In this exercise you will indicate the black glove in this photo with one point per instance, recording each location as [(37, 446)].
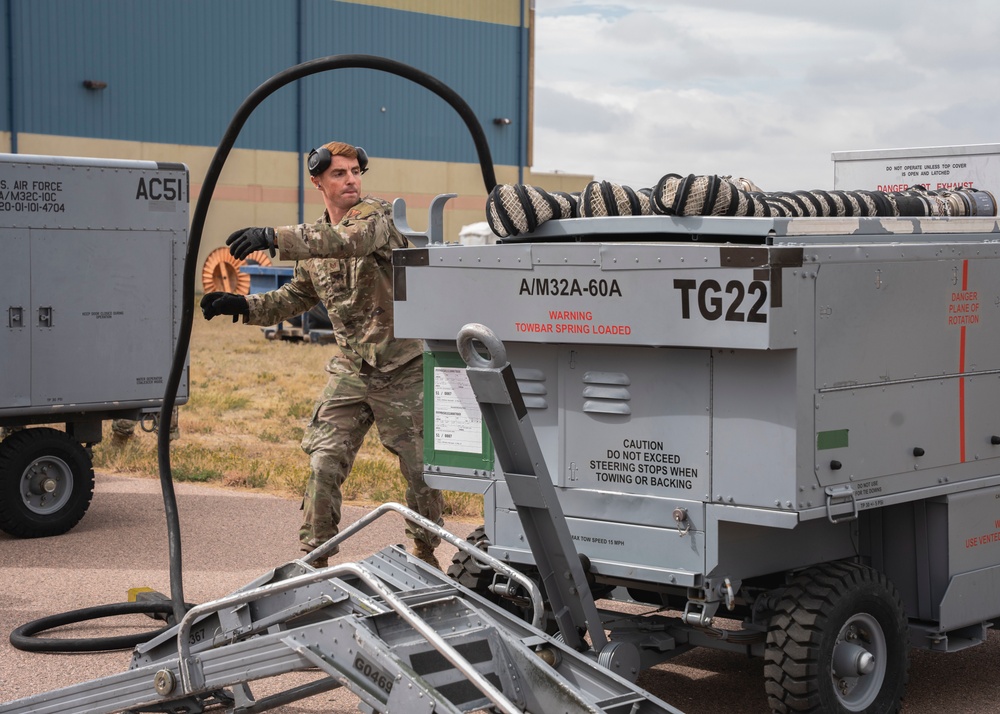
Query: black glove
[(246, 240), (213, 304)]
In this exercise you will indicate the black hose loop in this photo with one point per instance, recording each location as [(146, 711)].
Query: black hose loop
[(23, 638), (353, 61)]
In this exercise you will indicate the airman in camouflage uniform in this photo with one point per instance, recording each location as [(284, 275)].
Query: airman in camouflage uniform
[(345, 262)]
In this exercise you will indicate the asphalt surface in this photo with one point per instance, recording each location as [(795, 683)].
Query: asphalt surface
[(231, 537)]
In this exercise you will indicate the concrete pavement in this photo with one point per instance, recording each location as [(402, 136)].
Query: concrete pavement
[(230, 537)]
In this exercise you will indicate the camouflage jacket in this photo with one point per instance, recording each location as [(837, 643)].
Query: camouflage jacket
[(348, 268)]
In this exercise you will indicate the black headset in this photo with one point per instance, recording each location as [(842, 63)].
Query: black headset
[(319, 160)]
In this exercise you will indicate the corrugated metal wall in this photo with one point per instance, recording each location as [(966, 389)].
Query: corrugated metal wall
[(404, 120), (176, 72)]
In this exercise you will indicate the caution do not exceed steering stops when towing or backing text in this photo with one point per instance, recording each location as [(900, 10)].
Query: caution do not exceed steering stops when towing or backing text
[(644, 463)]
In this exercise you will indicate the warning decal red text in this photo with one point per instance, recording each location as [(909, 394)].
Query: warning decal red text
[(985, 538), (964, 308), (572, 322)]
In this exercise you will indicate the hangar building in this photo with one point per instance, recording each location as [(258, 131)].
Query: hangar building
[(161, 80)]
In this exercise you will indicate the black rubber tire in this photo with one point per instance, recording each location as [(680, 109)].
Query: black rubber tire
[(849, 609), (27, 457), (467, 571)]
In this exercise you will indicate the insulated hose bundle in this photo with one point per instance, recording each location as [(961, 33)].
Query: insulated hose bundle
[(610, 199), (515, 209), (691, 195)]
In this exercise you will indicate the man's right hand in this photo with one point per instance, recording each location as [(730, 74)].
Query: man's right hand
[(213, 304), (248, 240)]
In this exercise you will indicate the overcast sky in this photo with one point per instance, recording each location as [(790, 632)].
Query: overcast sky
[(629, 90)]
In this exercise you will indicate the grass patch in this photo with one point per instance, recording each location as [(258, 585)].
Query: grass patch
[(250, 401), (270, 436), (185, 472), (301, 410)]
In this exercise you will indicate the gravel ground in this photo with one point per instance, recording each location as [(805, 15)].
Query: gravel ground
[(231, 537)]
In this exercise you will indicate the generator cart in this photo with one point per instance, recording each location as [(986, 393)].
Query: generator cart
[(90, 288), (782, 433)]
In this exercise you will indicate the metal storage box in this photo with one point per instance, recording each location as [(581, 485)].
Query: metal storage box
[(93, 253)]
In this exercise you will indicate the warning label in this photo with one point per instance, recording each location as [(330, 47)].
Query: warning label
[(577, 322), (935, 175), (643, 462), (952, 168), (984, 538), (963, 309)]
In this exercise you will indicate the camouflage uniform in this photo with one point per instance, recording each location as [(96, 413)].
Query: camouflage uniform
[(374, 377), (123, 429)]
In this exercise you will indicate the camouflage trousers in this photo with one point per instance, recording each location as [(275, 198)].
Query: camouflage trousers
[(126, 427), (350, 404)]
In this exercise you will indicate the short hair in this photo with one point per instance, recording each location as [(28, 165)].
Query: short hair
[(339, 148)]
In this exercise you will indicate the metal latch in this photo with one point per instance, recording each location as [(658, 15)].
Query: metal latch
[(681, 519), (836, 496), (45, 317), (15, 317)]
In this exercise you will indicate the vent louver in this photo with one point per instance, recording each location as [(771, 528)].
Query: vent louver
[(606, 393)]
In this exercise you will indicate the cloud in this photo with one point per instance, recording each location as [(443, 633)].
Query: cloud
[(566, 111), (632, 89)]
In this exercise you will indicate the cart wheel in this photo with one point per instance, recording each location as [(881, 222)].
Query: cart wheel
[(467, 571), (838, 642), (46, 483)]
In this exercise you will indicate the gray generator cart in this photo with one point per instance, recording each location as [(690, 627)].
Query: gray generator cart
[(91, 295), (783, 434)]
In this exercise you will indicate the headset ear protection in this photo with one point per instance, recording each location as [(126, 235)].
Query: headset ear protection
[(319, 160)]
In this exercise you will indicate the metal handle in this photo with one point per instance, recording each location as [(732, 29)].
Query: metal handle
[(489, 340), (45, 316)]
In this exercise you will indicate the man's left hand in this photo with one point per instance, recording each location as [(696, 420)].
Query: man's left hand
[(218, 303), (247, 240)]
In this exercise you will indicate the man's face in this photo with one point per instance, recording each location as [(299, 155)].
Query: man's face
[(340, 184)]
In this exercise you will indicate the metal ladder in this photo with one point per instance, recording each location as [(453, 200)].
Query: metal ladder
[(402, 636)]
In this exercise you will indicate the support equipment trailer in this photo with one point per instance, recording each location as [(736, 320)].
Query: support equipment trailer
[(784, 432)]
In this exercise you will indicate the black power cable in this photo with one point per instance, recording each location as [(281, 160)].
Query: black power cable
[(198, 224), (21, 638)]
